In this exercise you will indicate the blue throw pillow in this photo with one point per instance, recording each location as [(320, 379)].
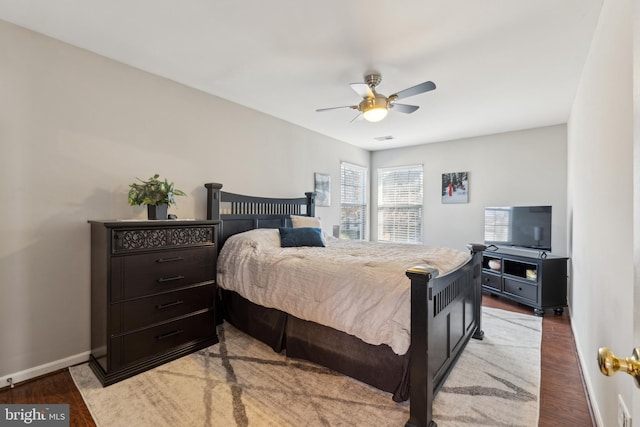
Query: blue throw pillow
[(303, 236)]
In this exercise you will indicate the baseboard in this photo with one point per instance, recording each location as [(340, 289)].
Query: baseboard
[(47, 368), (586, 381)]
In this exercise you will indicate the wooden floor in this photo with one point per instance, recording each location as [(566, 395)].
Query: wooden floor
[(562, 402), (54, 388), (563, 399)]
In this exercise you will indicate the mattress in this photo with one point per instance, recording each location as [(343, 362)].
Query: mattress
[(356, 287)]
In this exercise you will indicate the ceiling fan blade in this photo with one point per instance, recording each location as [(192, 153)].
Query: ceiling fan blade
[(415, 90), (404, 108), (363, 90), (356, 118), (353, 107)]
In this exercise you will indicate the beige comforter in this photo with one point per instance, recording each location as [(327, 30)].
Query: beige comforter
[(356, 287)]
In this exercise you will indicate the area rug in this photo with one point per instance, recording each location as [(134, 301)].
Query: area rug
[(241, 382)]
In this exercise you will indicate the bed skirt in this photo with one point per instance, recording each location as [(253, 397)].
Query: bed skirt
[(376, 365)]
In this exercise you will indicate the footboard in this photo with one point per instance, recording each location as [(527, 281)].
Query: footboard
[(445, 314)]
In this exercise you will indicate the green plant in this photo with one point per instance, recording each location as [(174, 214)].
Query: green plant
[(153, 192)]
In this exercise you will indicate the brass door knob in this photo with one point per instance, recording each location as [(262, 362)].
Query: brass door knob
[(610, 364)]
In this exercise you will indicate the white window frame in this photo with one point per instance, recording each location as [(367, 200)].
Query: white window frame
[(353, 202), (401, 204), (497, 224)]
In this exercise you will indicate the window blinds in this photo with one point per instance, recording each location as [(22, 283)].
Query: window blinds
[(353, 201), (400, 204)]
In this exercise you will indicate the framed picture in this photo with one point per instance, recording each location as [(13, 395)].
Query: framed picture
[(455, 187), (323, 189)]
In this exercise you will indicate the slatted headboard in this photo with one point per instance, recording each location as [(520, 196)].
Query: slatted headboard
[(238, 213)]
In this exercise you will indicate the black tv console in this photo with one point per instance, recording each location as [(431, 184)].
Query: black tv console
[(537, 280)]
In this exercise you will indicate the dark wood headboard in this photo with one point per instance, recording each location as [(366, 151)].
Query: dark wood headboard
[(238, 213)]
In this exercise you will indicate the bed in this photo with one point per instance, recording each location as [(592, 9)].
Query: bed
[(443, 312)]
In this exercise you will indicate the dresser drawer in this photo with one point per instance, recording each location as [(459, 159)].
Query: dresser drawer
[(521, 289), (492, 281), (137, 346), (146, 274), (143, 312), (128, 240)]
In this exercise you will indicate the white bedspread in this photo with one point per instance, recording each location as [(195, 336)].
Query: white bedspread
[(356, 287)]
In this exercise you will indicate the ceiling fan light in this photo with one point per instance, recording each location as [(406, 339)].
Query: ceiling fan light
[(375, 114)]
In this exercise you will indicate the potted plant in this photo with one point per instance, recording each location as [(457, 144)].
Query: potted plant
[(157, 194)]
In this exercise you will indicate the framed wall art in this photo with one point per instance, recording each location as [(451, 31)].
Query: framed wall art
[(323, 189), (455, 187)]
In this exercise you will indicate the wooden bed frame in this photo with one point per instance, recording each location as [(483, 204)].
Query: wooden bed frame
[(445, 313)]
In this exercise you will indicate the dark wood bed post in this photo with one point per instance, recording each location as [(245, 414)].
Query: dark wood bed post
[(421, 376), (476, 250), (311, 203), (213, 199)]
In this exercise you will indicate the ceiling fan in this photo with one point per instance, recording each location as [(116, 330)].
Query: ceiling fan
[(375, 106)]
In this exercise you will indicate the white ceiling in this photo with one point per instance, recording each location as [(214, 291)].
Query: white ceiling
[(499, 65)]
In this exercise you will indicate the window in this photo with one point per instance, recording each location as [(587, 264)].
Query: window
[(497, 226), (400, 204), (353, 201)]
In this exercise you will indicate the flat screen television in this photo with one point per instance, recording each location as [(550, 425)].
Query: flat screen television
[(518, 226)]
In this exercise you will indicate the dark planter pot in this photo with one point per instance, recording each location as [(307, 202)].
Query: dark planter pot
[(157, 211)]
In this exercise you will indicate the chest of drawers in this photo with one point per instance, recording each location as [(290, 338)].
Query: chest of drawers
[(152, 293)]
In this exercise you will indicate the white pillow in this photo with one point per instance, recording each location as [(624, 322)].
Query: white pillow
[(305, 221), (259, 237)]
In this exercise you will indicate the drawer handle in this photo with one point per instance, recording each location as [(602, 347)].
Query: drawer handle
[(169, 304), (170, 279), (169, 334), (178, 258)]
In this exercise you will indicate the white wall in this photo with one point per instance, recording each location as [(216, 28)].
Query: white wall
[(636, 187), (600, 208), (516, 168), (75, 131)]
